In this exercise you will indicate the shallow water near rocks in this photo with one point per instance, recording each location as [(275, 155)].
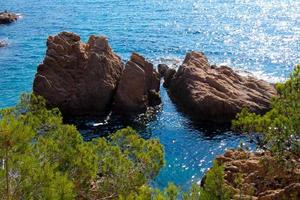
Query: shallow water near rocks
[(257, 37)]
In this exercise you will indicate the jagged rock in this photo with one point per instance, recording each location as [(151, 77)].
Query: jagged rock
[(162, 69), (154, 98), (7, 17), (168, 77), (216, 94), (138, 87), (78, 78), (291, 191), (262, 176), (167, 73)]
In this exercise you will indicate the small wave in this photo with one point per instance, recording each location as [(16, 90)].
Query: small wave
[(20, 16), (173, 62), (104, 122), (263, 76)]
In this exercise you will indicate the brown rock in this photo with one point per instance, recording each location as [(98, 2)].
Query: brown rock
[(217, 94), (154, 98), (169, 75), (7, 17), (78, 78), (290, 192), (263, 178), (162, 69), (138, 87), (244, 197)]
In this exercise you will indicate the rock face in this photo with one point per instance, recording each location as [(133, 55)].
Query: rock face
[(78, 78), (216, 94), (138, 87), (261, 176), (7, 17)]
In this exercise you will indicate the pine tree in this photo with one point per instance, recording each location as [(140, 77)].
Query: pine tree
[(280, 127)]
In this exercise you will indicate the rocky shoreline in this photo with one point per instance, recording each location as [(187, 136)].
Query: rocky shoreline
[(259, 176)]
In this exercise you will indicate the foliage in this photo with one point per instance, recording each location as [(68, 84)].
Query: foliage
[(281, 125), (43, 158), (214, 187), (127, 163), (24, 176)]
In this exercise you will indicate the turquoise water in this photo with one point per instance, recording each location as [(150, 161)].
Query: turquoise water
[(258, 37)]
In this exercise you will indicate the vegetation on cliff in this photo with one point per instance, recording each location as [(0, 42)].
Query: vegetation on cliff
[(280, 127), (278, 133)]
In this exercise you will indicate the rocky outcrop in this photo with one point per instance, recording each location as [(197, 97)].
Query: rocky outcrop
[(138, 87), (78, 78), (260, 176), (162, 69), (88, 79), (216, 93), (3, 43), (7, 17), (167, 73)]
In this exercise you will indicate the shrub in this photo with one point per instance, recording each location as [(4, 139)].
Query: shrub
[(43, 158), (280, 127)]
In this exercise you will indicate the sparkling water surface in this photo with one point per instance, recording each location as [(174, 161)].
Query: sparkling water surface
[(253, 36)]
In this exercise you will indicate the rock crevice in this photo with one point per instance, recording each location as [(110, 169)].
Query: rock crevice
[(138, 87)]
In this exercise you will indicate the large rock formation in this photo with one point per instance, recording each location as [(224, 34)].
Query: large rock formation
[(260, 176), (7, 17), (216, 94), (138, 87), (78, 78)]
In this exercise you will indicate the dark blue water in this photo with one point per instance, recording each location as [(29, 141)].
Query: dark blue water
[(258, 37)]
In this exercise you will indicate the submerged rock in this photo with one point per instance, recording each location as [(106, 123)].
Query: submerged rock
[(3, 43), (7, 17), (78, 78), (138, 87), (216, 93), (261, 175)]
